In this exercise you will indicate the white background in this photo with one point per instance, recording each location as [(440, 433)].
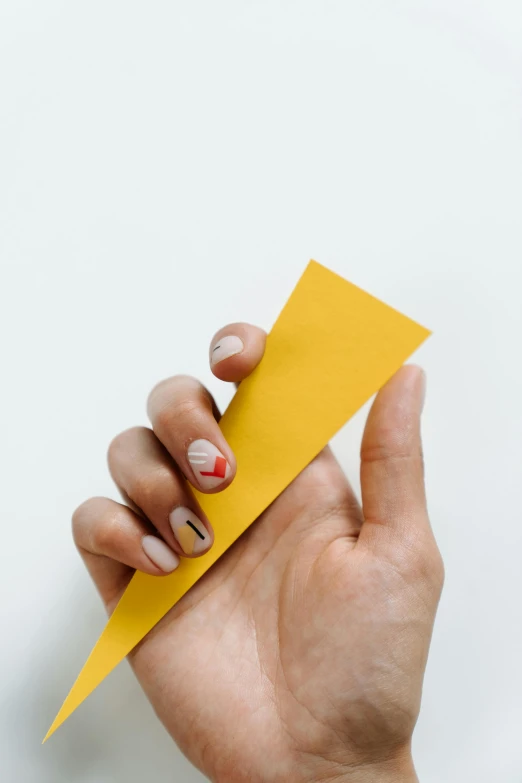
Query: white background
[(166, 167)]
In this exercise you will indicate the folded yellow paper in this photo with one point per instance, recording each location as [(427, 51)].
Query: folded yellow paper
[(332, 347)]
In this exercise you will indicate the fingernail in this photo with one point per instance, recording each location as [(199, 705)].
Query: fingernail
[(226, 347), (190, 532), (161, 555), (209, 465), (423, 389)]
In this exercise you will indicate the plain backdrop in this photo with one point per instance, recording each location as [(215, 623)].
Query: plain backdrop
[(168, 167)]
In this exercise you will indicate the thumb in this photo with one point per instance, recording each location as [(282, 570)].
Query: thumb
[(392, 472)]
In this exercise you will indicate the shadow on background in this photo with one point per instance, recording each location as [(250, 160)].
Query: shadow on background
[(113, 737)]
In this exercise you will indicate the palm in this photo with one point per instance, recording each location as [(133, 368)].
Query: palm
[(287, 648)]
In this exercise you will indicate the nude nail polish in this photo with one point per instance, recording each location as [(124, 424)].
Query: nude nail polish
[(161, 555), (209, 465), (190, 532), (225, 348)]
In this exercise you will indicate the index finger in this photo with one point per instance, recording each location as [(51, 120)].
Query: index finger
[(236, 350)]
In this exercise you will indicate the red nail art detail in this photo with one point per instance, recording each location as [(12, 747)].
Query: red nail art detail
[(210, 467), (220, 468)]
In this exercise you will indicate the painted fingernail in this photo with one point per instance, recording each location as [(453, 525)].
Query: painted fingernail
[(209, 465), (191, 534), (226, 347), (161, 555)]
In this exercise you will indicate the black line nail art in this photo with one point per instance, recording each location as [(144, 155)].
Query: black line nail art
[(194, 528)]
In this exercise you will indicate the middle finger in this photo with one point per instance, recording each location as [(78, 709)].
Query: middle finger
[(183, 416)]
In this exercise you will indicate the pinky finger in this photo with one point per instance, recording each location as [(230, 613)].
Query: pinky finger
[(113, 542)]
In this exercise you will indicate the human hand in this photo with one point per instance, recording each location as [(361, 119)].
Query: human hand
[(300, 655)]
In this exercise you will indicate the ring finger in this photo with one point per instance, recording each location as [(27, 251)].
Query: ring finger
[(183, 416), (147, 476)]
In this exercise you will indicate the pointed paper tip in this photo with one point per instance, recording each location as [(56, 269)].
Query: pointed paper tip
[(109, 650), (86, 681), (73, 700), (52, 729), (63, 714)]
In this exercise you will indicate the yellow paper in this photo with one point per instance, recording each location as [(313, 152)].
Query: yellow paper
[(332, 347)]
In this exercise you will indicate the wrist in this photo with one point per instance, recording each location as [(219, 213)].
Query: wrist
[(376, 774), (396, 770)]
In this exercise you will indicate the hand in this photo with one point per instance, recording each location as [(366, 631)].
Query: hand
[(300, 655)]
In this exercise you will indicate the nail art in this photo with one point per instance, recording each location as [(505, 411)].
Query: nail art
[(225, 348), (209, 465), (191, 534), (161, 555)]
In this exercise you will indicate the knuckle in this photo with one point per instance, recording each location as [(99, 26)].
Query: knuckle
[(163, 419), (179, 415), (151, 490), (438, 570), (105, 532), (426, 564), (85, 518), (391, 450), (141, 490), (169, 389), (121, 441), (186, 408)]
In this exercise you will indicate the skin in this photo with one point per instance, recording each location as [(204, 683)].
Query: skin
[(300, 655)]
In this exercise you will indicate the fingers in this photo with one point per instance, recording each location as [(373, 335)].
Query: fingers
[(165, 520), (146, 474), (113, 541), (392, 475), (184, 415), (236, 350)]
